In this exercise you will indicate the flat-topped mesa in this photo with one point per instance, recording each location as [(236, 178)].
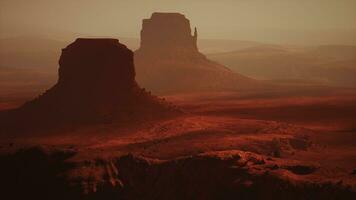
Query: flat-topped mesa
[(170, 30)]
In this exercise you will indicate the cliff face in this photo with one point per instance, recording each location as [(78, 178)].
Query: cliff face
[(167, 32), (96, 83), (95, 75), (168, 59), (97, 64)]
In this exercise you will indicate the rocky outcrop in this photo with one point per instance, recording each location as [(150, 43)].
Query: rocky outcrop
[(168, 59), (45, 173), (96, 84)]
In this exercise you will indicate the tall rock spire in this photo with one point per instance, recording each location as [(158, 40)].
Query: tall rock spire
[(196, 37)]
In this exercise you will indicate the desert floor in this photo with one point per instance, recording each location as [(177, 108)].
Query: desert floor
[(315, 126)]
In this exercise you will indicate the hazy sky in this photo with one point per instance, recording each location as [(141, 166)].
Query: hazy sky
[(291, 21)]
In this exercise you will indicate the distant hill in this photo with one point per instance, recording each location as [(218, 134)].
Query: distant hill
[(337, 52), (30, 52), (331, 64), (208, 46)]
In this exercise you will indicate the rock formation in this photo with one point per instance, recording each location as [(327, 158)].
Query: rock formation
[(47, 173), (168, 59), (168, 32), (96, 83)]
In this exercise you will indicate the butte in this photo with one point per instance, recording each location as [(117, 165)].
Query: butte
[(169, 61), (96, 84)]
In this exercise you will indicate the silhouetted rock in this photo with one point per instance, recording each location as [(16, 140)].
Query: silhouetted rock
[(101, 65), (96, 83), (167, 32), (168, 59), (50, 173)]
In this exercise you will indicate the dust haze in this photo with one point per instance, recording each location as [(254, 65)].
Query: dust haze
[(178, 99), (278, 21)]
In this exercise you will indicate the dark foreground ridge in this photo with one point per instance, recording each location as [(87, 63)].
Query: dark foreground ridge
[(168, 59), (44, 173), (96, 84)]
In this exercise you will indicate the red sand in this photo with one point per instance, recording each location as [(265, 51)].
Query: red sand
[(315, 128)]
